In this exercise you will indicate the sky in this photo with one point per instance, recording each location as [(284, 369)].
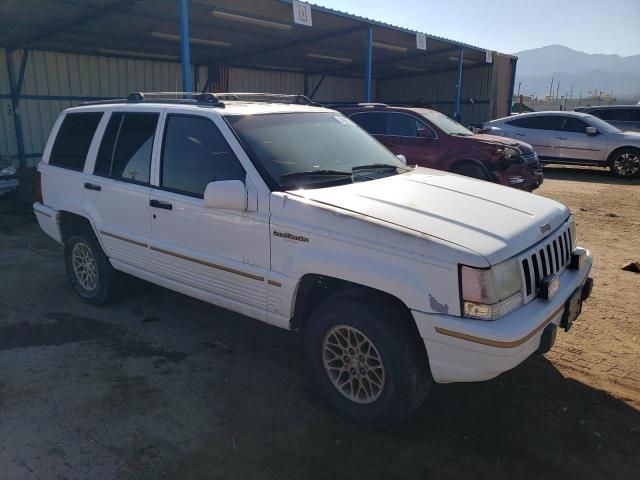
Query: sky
[(509, 26)]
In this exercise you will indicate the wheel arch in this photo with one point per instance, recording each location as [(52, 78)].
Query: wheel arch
[(313, 289), (476, 163), (617, 150)]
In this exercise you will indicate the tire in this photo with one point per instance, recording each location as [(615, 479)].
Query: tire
[(402, 372), (625, 163), (88, 268), (472, 170)]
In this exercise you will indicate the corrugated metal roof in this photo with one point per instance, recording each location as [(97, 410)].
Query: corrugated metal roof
[(130, 28)]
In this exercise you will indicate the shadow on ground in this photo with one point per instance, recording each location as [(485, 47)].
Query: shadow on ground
[(586, 174)]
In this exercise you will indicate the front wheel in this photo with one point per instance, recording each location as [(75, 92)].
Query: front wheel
[(367, 362), (472, 170), (88, 268), (626, 163)]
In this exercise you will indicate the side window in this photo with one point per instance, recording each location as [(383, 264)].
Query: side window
[(634, 115), (402, 125), (74, 139), (372, 122), (550, 122), (125, 151), (195, 153), (524, 122), (575, 125)]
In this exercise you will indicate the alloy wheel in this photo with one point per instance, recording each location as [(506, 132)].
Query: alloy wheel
[(85, 266), (353, 364)]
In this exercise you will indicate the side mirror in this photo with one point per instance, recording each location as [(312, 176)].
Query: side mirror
[(402, 158), (425, 133), (591, 131), (226, 194)]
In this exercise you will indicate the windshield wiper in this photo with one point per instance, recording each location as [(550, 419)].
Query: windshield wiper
[(319, 173)]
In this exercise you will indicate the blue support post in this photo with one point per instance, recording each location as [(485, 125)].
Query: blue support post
[(513, 84), (456, 114), (367, 68), (184, 46), (15, 88)]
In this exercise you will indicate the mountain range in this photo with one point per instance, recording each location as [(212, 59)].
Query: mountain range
[(584, 71)]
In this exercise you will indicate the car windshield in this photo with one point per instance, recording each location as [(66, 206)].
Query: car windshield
[(311, 150), (446, 124), (602, 125)]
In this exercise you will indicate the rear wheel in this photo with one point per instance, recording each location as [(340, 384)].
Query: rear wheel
[(472, 170), (88, 268), (366, 361), (625, 163)]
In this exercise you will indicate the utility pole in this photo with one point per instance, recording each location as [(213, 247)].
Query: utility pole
[(519, 83), (557, 90), (611, 97), (571, 93), (551, 89)]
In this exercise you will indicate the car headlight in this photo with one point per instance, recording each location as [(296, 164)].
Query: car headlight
[(572, 231), (491, 293)]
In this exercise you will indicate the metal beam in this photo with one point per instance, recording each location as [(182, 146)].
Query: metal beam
[(290, 44), (514, 61), (367, 68), (317, 86), (385, 62), (15, 107), (81, 21), (458, 90), (185, 60)]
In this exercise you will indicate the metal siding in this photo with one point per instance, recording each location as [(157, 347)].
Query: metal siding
[(64, 74), (437, 90), (265, 81), (339, 89)]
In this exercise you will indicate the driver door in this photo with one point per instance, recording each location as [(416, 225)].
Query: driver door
[(576, 144), (217, 254)]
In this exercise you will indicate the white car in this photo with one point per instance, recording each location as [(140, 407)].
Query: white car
[(295, 216), (573, 138)]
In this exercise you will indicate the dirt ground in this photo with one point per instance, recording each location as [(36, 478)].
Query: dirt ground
[(158, 385)]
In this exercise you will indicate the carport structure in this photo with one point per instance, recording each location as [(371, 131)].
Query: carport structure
[(58, 54)]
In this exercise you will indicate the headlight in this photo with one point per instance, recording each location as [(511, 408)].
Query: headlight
[(491, 293), (572, 231)]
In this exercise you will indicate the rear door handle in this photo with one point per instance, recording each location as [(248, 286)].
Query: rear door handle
[(92, 186), (521, 134), (561, 138), (159, 204)]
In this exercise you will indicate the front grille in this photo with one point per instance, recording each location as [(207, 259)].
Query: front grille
[(552, 255)]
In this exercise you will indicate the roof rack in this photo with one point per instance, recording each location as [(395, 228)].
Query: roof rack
[(184, 98), (267, 98)]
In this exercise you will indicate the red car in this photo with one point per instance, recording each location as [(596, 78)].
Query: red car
[(430, 139)]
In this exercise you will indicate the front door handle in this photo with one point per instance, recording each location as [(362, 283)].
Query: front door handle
[(159, 204), (521, 134), (92, 186), (561, 138)]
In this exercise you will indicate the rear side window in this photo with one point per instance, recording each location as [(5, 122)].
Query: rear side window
[(125, 151), (195, 153), (74, 139), (523, 122), (373, 123)]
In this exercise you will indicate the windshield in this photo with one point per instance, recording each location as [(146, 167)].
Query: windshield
[(312, 150), (446, 124), (602, 125)]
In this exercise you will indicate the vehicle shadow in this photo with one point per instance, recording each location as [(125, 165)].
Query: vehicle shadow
[(532, 422), (585, 174)]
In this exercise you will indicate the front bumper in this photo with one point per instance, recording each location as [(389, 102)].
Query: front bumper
[(466, 350), (523, 177)]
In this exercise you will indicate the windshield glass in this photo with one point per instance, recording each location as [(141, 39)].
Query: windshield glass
[(602, 125), (446, 124), (313, 149)]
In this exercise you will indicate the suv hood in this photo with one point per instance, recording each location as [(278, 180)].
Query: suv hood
[(501, 141), (496, 222)]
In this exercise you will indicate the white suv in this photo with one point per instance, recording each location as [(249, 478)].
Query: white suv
[(294, 216)]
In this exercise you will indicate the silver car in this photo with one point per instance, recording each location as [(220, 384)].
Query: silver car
[(573, 138)]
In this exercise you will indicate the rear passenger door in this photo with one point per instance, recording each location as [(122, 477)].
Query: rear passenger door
[(116, 195), (540, 131), (215, 254)]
